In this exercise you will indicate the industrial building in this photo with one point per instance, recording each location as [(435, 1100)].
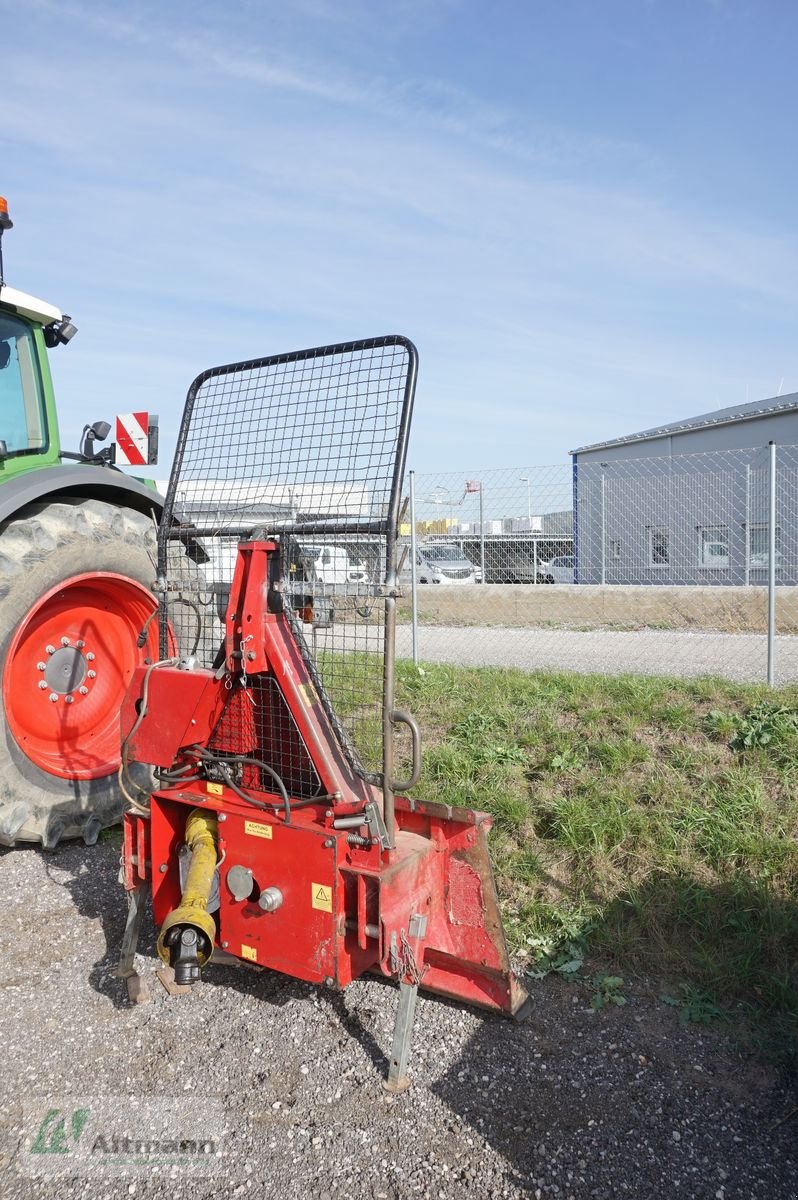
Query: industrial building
[(688, 502)]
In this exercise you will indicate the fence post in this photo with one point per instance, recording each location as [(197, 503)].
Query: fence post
[(575, 517), (772, 564), (413, 579), (482, 532), (603, 533), (747, 524)]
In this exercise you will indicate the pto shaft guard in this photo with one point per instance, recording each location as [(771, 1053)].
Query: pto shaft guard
[(186, 938)]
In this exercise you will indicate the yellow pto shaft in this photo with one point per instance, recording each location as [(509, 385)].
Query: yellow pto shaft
[(190, 925)]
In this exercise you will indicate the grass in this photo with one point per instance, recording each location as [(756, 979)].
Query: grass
[(650, 823)]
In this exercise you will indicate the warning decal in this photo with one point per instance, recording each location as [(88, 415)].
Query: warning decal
[(256, 829), (214, 789), (321, 897), (249, 952), (132, 439)]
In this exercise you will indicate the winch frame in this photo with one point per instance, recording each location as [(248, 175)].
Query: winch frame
[(300, 854)]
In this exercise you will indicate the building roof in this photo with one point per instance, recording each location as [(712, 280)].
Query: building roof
[(721, 416)]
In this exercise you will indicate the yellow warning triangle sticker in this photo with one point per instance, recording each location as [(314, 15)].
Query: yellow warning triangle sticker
[(321, 897)]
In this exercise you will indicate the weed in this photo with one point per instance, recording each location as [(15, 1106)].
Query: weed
[(568, 759), (563, 958), (695, 1005), (606, 990), (721, 724), (764, 724), (760, 726)]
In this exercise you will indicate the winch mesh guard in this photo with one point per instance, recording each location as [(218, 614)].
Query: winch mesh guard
[(307, 448)]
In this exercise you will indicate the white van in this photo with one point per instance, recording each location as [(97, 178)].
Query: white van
[(332, 566), (326, 564)]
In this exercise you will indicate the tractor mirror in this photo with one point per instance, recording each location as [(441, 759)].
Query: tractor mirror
[(3, 450), (152, 440)]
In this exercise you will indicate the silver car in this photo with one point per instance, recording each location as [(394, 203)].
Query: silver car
[(443, 564), (560, 569)]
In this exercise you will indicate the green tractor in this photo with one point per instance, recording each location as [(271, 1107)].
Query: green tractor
[(77, 555)]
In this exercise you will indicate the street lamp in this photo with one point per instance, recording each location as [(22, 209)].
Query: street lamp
[(525, 479), (475, 485)]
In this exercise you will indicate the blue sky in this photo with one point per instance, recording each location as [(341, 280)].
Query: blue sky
[(582, 212)]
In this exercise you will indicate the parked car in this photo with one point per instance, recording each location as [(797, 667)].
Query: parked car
[(559, 570), (506, 563), (331, 565), (358, 571), (327, 564), (441, 563)]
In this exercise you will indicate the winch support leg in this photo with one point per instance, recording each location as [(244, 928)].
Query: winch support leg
[(397, 1080), (130, 939)]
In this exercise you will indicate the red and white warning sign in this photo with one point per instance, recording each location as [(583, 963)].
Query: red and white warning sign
[(132, 439)]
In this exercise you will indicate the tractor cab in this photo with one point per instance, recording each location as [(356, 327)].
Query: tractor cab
[(28, 326), (28, 431), (28, 421)]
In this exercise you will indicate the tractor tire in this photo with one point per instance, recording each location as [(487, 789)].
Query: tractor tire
[(75, 580)]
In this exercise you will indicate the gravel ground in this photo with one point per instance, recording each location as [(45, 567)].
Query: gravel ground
[(572, 1103)]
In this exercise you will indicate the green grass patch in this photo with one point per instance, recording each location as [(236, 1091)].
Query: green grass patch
[(652, 823)]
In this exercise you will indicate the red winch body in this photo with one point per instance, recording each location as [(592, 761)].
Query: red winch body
[(421, 908)]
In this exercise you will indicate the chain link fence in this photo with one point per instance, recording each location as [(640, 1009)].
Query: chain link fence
[(678, 565)]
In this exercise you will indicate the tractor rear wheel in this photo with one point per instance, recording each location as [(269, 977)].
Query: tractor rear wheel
[(75, 579)]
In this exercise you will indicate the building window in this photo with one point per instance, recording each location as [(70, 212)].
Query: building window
[(659, 548), (758, 549), (714, 548), (615, 549)]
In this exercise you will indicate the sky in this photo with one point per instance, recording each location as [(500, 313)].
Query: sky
[(581, 211)]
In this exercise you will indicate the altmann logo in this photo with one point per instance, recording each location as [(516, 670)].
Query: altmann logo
[(59, 1133), (102, 1135), (56, 1136), (152, 1147)]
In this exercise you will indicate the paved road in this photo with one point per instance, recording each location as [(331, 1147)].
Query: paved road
[(649, 652), (734, 656)]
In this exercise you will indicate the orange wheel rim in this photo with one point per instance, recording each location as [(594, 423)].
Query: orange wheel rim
[(68, 668)]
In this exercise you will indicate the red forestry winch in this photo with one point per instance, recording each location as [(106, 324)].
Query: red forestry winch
[(277, 830)]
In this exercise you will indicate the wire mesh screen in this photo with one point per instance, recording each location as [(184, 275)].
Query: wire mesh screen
[(258, 724), (307, 448)]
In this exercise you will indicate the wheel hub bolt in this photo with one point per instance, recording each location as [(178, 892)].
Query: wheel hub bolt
[(65, 641), (90, 656), (84, 691), (69, 699), (80, 643), (53, 697), (50, 649), (42, 685), (92, 674)]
